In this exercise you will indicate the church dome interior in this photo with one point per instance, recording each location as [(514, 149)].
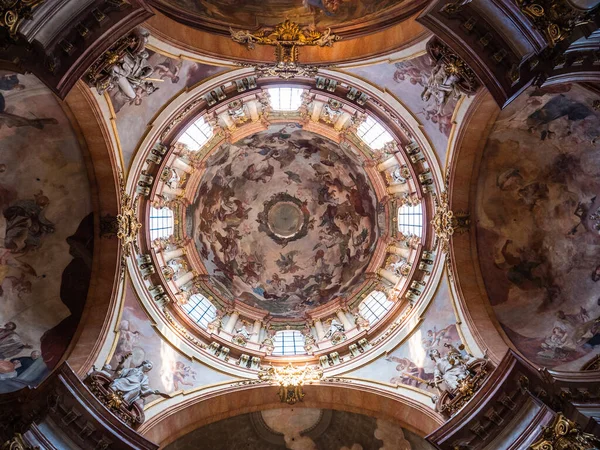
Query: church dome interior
[(300, 224)]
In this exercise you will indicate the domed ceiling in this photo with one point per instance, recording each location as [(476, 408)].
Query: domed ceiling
[(257, 13), (284, 219)]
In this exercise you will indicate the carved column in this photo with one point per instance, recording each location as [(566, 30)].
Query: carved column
[(403, 252), (252, 106), (256, 330), (344, 319), (233, 318), (387, 164), (398, 189), (319, 329), (316, 111), (180, 164), (389, 276), (168, 255), (184, 279)]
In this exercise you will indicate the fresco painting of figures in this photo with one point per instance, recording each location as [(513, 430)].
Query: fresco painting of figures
[(46, 232), (256, 13), (138, 341), (284, 169), (407, 81), (538, 225), (410, 364), (169, 76)]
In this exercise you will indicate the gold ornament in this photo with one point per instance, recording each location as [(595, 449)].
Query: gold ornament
[(286, 37), (445, 222), (127, 220), (13, 12), (290, 379), (564, 434)]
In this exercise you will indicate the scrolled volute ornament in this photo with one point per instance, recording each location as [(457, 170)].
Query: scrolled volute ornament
[(14, 12), (18, 443), (564, 434)]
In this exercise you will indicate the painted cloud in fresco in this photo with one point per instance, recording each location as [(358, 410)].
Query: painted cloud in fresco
[(336, 201), (410, 363)]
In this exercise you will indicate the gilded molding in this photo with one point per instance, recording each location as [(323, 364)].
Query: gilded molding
[(14, 12), (564, 434)]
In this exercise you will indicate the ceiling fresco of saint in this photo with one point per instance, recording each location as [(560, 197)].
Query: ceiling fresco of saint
[(318, 13), (285, 220), (46, 232), (537, 225)]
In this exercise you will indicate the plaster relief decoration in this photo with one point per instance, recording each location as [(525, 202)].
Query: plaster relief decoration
[(255, 14), (408, 80), (138, 341), (46, 231), (284, 220), (139, 82), (537, 228), (302, 429)]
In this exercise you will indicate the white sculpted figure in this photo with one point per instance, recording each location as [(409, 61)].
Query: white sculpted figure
[(450, 369), (441, 85), (397, 176), (133, 383), (334, 327), (244, 332), (397, 266), (131, 75)]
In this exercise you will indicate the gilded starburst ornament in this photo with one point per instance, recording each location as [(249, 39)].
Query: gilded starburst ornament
[(445, 222), (128, 222), (286, 37), (291, 379)]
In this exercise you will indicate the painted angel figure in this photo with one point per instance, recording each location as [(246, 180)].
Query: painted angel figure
[(180, 372)]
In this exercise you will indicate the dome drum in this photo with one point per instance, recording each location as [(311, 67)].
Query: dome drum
[(267, 196)]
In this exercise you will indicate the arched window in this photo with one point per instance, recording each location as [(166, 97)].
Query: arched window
[(373, 134), (375, 306), (410, 220), (285, 99), (197, 134), (200, 309), (161, 223), (289, 343)]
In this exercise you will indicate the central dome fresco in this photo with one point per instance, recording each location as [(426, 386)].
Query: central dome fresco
[(284, 220)]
